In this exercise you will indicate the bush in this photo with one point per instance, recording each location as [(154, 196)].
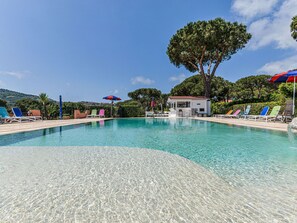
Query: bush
[(256, 108), (3, 103), (219, 107), (248, 101), (69, 107), (132, 111), (53, 110), (27, 104), (106, 109)]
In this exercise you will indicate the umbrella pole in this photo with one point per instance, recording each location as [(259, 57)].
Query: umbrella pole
[(111, 108), (294, 97)]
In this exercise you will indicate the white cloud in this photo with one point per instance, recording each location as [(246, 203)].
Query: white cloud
[(15, 74), (279, 66), (274, 29), (114, 91), (178, 78), (141, 80), (253, 8), (2, 84)]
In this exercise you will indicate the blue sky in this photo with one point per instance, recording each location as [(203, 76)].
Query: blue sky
[(85, 50)]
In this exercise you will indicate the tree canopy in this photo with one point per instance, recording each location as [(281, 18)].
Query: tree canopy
[(26, 104), (201, 46), (251, 87), (43, 98), (193, 86), (254, 87), (294, 28), (144, 95)]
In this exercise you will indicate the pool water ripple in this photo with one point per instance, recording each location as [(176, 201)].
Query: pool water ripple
[(116, 184), (247, 173)]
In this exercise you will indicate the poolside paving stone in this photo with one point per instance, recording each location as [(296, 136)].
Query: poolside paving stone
[(43, 124), (270, 125)]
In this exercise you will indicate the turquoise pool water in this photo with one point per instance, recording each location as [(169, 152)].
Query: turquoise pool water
[(241, 156)]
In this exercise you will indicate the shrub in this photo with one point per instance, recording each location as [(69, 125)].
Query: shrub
[(53, 110), (27, 104), (132, 111), (107, 109), (3, 103), (219, 107), (69, 107), (256, 108)]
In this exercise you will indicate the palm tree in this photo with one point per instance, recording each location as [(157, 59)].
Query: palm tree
[(43, 98), (294, 28)]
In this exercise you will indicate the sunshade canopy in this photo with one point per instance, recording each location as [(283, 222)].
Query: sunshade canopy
[(112, 98)]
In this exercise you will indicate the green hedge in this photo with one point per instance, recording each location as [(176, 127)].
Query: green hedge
[(131, 111), (256, 108), (107, 109), (219, 107)]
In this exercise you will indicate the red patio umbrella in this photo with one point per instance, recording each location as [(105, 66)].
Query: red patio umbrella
[(287, 76), (111, 98)]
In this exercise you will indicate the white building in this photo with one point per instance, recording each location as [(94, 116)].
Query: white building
[(188, 106)]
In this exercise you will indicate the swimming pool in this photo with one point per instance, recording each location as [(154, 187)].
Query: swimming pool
[(97, 171), (240, 155)]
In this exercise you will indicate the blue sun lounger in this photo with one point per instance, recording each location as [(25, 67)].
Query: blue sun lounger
[(262, 114), (246, 112), (5, 116), (18, 115)]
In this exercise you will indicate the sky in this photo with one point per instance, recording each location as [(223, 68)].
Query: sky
[(87, 49)]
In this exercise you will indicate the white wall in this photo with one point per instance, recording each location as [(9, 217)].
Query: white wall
[(196, 104)]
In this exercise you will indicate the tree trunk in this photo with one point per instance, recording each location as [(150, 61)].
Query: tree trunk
[(45, 111), (207, 82), (207, 88)]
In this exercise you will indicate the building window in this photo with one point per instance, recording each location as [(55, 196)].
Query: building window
[(183, 104)]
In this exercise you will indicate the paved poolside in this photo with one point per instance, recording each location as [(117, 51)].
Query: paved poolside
[(30, 126), (117, 184), (278, 126)]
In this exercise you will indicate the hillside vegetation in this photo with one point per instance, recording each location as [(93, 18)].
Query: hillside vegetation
[(13, 96)]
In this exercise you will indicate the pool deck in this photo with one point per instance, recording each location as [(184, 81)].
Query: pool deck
[(277, 126), (30, 126)]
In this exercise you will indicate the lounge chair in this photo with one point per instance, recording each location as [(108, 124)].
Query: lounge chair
[(35, 114), (262, 113), (288, 112), (149, 114), (246, 112), (102, 113), (77, 114), (221, 115), (93, 114), (18, 115), (236, 114), (273, 114), (5, 116)]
